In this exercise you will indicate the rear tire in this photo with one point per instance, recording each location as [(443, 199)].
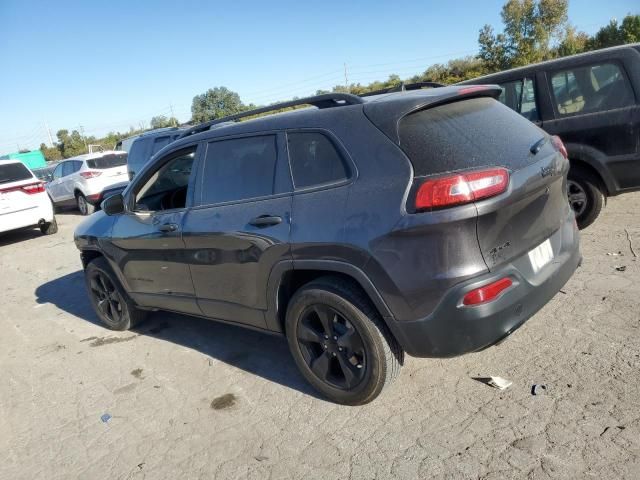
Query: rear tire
[(109, 300), (49, 228), (83, 205), (586, 196), (340, 343)]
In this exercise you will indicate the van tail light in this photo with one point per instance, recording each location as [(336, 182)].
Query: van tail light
[(90, 174), (559, 145), (461, 188), (487, 293)]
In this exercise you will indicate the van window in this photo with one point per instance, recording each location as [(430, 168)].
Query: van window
[(591, 88), (314, 160), (520, 96), (138, 154), (158, 144), (239, 169)]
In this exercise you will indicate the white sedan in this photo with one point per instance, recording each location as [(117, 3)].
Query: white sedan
[(23, 200)]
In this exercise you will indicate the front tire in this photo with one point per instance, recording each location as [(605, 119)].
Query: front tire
[(83, 205), (49, 228), (340, 343), (586, 196), (109, 300)]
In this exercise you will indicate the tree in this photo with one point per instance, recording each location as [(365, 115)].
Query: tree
[(530, 26), (215, 103), (72, 144), (617, 34), (161, 122), (50, 153)]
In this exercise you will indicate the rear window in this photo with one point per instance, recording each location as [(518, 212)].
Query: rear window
[(467, 134), (13, 172), (314, 160), (108, 161)]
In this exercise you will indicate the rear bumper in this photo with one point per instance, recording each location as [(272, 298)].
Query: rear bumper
[(453, 329), (29, 217)]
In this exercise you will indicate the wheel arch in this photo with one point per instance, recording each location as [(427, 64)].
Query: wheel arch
[(592, 160), (288, 276)]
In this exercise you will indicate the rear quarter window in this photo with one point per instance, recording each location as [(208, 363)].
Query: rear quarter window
[(107, 161), (467, 134), (314, 160), (13, 172)]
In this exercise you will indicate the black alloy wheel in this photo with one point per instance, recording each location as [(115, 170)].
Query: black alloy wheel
[(332, 347)]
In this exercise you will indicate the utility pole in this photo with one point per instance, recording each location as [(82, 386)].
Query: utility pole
[(346, 78), (46, 127), (173, 118), (83, 138)]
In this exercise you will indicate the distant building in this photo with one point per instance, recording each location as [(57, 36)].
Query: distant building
[(32, 159)]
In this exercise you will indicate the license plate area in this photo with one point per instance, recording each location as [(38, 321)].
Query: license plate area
[(541, 256)]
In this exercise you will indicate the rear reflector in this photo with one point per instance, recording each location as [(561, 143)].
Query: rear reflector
[(90, 174), (461, 188), (30, 188), (487, 293), (559, 145)]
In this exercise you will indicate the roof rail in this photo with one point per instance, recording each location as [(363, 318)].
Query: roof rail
[(327, 100), (401, 87)]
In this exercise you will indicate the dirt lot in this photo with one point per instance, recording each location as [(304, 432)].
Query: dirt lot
[(189, 398)]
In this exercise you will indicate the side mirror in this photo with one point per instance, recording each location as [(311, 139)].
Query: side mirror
[(113, 205)]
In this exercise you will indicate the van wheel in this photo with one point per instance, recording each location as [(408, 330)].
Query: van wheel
[(111, 303), (83, 205), (340, 343), (585, 196), (49, 228)]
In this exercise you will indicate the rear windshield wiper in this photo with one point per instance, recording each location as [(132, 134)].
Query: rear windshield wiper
[(537, 146)]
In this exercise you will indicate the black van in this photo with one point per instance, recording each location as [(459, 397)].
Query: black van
[(591, 101)]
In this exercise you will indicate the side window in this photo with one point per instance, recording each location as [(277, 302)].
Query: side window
[(158, 144), (167, 187), (67, 168), (314, 160), (239, 169), (77, 165), (511, 94), (57, 173), (528, 107), (592, 88)]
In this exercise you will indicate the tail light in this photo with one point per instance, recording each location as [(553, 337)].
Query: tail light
[(461, 188), (90, 174), (487, 293), (30, 189), (559, 145)]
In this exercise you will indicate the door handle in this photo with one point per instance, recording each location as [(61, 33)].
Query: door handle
[(266, 221), (168, 227)]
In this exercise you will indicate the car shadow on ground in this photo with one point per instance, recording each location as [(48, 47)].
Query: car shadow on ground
[(258, 353), (17, 236)]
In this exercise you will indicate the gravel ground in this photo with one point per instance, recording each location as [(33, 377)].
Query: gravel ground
[(189, 398)]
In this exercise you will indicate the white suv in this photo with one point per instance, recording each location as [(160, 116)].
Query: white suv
[(23, 200), (82, 180)]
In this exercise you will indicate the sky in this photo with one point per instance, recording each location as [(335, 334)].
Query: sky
[(107, 66)]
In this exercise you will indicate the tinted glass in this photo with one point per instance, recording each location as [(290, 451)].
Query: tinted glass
[(108, 161), (528, 107), (12, 172), (158, 144), (239, 169), (466, 134), (590, 88), (138, 154), (77, 165), (511, 94), (314, 160), (67, 168), (167, 188)]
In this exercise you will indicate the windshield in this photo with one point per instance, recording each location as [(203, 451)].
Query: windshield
[(13, 172), (108, 161)]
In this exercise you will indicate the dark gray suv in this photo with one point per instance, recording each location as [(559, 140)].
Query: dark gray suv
[(432, 222)]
